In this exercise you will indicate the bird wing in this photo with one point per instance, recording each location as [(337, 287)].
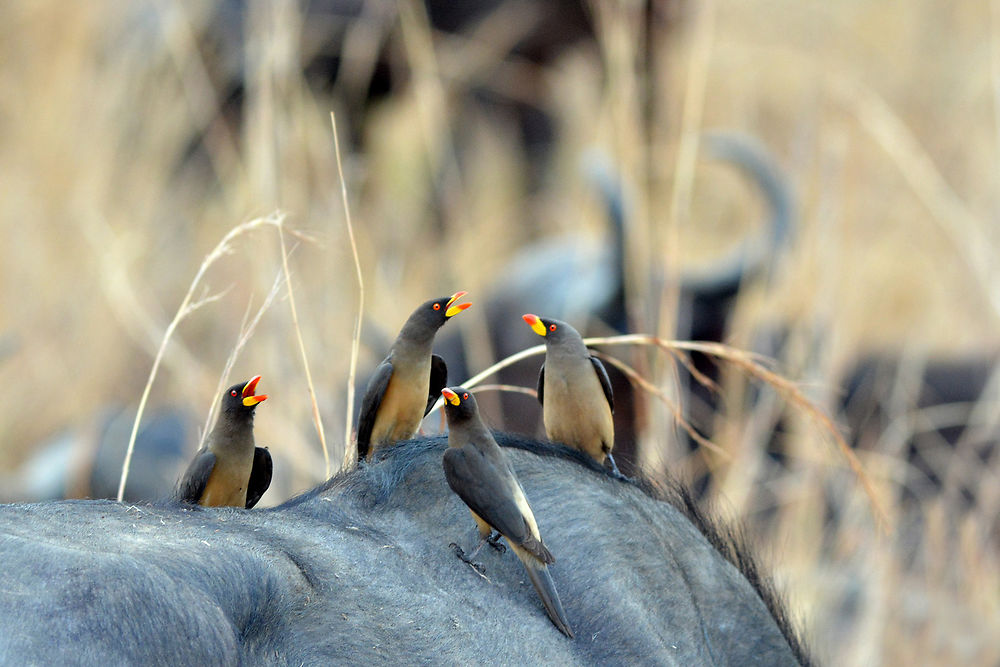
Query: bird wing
[(193, 482), (369, 405), (486, 489), (541, 384), (602, 375), (260, 476), (439, 380)]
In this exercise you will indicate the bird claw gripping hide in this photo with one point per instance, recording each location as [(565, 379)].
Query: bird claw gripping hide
[(478, 567), (494, 541)]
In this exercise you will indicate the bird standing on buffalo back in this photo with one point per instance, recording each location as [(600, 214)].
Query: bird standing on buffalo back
[(230, 469), (575, 392), (409, 380), (478, 472)]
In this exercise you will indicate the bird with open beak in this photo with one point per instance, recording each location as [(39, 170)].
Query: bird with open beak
[(406, 384), (230, 469), (477, 470), (575, 392)]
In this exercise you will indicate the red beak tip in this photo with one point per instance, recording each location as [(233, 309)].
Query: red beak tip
[(250, 387)]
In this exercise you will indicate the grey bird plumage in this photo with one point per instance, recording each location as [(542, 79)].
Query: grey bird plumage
[(477, 470), (230, 469), (408, 381)]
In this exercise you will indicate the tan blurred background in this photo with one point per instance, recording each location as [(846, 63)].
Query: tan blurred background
[(124, 160)]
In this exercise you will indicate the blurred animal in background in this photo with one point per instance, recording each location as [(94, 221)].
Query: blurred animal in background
[(8, 345), (360, 567), (86, 461), (582, 280), (356, 53), (937, 418), (929, 421)]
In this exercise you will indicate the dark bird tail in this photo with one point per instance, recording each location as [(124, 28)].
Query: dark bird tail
[(546, 588)]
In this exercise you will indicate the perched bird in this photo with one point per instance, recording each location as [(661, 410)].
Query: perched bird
[(230, 469), (479, 473), (574, 391), (408, 381)]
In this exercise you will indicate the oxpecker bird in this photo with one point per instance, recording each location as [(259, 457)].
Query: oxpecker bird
[(575, 392), (230, 469), (408, 381), (479, 473)]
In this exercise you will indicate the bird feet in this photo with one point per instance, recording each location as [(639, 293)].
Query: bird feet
[(494, 541), (478, 567), (615, 472), (621, 477)]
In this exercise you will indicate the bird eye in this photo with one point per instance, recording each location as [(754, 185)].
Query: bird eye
[(437, 306), (552, 327), (465, 395), (234, 393)]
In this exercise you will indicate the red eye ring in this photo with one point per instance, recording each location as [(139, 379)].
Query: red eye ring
[(552, 327), (465, 395), (437, 306), (234, 393)]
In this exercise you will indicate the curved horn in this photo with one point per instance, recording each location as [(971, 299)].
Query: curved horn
[(753, 255)]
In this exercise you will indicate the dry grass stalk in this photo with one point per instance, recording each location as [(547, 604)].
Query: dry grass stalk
[(203, 102), (498, 366), (675, 409), (691, 117), (350, 446), (995, 69), (246, 331), (750, 363), (747, 361), (317, 420), (513, 389), (131, 310), (188, 306), (961, 225)]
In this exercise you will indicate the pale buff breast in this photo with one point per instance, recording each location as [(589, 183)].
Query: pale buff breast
[(402, 407), (578, 414), (227, 485)]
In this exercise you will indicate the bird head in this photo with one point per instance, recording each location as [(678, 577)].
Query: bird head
[(459, 404), (240, 397), (552, 331), (431, 315)]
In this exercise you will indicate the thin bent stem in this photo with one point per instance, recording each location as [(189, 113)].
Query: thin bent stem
[(317, 420), (350, 447), (246, 331), (187, 306), (747, 361)]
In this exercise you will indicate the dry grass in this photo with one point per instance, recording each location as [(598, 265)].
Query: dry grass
[(885, 116), (351, 447), (188, 306)]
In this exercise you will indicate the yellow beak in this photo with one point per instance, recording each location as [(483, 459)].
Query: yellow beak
[(535, 323), (450, 396), (456, 309), (249, 388)]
